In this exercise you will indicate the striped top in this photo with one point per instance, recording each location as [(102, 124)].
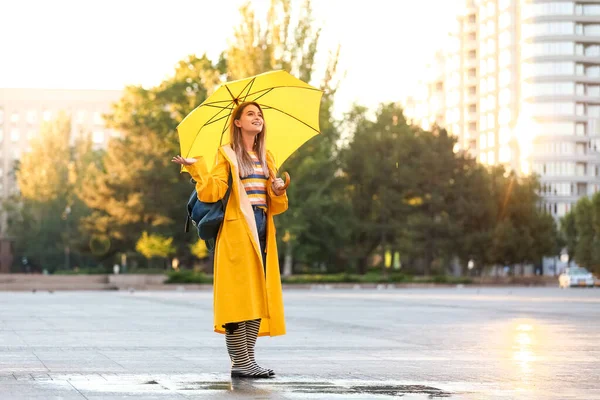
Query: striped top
[(256, 184)]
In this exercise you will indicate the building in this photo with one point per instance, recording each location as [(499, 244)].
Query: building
[(23, 111), (522, 89), (561, 98), (462, 80), (428, 105)]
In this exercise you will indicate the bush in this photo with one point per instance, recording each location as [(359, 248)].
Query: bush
[(188, 277)]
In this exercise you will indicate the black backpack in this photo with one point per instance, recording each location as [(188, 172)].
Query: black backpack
[(207, 217)]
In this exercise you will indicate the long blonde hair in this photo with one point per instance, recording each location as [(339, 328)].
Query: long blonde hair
[(245, 162)]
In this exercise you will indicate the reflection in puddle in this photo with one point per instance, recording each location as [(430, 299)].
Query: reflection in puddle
[(522, 351)]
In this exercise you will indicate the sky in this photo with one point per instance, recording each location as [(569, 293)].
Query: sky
[(79, 44)]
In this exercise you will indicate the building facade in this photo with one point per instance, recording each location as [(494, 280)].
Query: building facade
[(522, 89)]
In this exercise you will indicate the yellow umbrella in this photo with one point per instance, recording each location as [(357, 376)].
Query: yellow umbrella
[(290, 109)]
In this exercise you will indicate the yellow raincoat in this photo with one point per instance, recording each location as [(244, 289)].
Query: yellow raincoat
[(241, 291)]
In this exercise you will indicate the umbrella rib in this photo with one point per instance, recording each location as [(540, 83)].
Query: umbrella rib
[(285, 86), (249, 86), (224, 128), (210, 121), (267, 107), (264, 90)]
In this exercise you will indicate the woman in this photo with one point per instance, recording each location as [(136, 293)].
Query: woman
[(247, 286)]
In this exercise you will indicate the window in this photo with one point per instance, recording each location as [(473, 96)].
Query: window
[(491, 157), (549, 68), (580, 89), (98, 137), (491, 46), (81, 116), (1, 115), (15, 117), (491, 83), (491, 121), (504, 20), (491, 140), (31, 117), (543, 9), (590, 9), (504, 77), (579, 69), (47, 115), (593, 71), (491, 27), (549, 89), (579, 109), (15, 135), (591, 30), (593, 90), (548, 48), (505, 39), (1, 135), (504, 116), (98, 118), (548, 28), (505, 58), (504, 97), (554, 108), (482, 141), (592, 50), (580, 129), (593, 111)]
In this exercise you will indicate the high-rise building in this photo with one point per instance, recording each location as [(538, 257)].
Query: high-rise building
[(560, 107), (462, 79), (522, 89)]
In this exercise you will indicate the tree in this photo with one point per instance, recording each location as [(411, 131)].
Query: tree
[(155, 246), (585, 232), (377, 169), (43, 221), (568, 229), (127, 191), (312, 236)]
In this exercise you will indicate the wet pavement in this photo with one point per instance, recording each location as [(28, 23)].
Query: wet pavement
[(456, 343)]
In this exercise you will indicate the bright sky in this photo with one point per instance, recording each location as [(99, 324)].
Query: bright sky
[(110, 43)]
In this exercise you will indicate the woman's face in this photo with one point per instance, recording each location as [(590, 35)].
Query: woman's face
[(251, 121)]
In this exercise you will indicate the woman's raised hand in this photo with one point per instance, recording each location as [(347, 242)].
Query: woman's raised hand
[(183, 161)]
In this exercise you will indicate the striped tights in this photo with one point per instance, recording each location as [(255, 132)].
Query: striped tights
[(240, 338)]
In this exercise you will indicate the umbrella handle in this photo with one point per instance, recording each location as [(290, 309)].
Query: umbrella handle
[(287, 181)]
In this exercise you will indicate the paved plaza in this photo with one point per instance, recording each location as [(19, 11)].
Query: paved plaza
[(457, 343)]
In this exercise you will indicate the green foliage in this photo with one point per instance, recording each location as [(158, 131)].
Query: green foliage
[(199, 249), (128, 190), (154, 245), (581, 231), (188, 277), (43, 221)]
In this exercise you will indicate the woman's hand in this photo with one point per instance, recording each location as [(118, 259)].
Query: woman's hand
[(278, 186), (183, 161)]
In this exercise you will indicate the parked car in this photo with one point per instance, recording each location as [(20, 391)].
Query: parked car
[(576, 277)]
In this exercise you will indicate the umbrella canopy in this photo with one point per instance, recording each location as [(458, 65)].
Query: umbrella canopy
[(290, 109)]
